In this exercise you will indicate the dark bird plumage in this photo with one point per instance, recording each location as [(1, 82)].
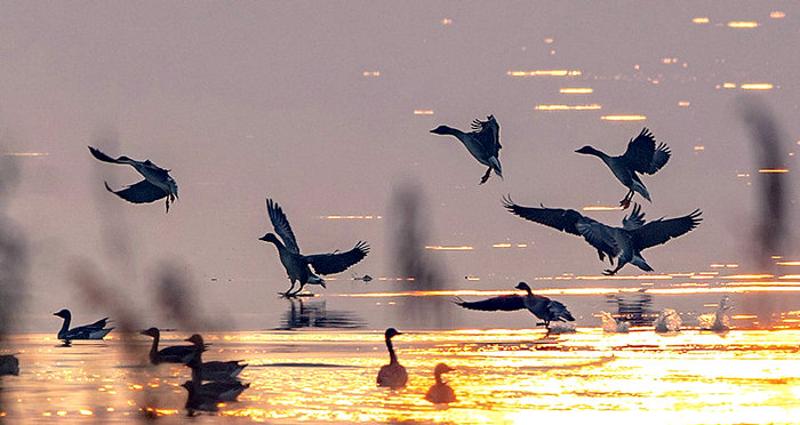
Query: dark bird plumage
[(624, 243), (483, 143), (542, 307), (92, 331)]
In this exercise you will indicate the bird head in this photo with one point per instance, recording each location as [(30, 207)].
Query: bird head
[(152, 332), (195, 339), (187, 385), (523, 286), (587, 150), (442, 129), (269, 237), (63, 313), (392, 332), (442, 368)]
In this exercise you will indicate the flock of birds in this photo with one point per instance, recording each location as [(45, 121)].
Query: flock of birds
[(216, 381)]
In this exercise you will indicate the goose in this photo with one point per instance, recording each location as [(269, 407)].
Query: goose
[(483, 143), (624, 243), (219, 371), (91, 331), (440, 392), (157, 183), (9, 365), (297, 264), (542, 307), (642, 156), (219, 391), (175, 354), (392, 375), (198, 400)]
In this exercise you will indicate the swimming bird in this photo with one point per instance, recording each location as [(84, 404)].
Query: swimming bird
[(297, 264), (542, 307), (483, 143), (157, 183), (219, 391), (9, 365), (642, 156), (199, 401), (440, 392), (624, 243), (392, 375), (175, 354), (94, 330), (220, 371)]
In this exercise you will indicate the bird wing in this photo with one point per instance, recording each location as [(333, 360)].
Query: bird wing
[(488, 133), (635, 220), (100, 324), (103, 157), (337, 262), (599, 236), (557, 218), (501, 303), (140, 193), (642, 154), (660, 231), (281, 225), (559, 311), (178, 350)]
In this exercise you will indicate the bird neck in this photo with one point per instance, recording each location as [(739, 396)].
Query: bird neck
[(529, 292), (278, 244), (392, 355), (438, 376), (65, 325), (154, 347), (451, 131)]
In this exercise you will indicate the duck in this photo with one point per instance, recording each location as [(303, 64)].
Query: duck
[(483, 143), (9, 365), (182, 354), (219, 371), (392, 375), (624, 243), (540, 306), (157, 183), (93, 331), (298, 265), (642, 156), (440, 392)]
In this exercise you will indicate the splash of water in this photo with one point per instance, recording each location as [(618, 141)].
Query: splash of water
[(668, 321), (613, 325)]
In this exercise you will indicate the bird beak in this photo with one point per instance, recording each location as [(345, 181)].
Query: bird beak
[(55, 314), (399, 333)]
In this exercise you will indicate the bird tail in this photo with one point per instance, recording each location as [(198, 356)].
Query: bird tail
[(495, 163)]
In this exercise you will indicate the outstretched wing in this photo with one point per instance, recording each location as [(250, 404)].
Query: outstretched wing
[(660, 231), (488, 132), (501, 303), (139, 193), (338, 262), (642, 154), (635, 220), (557, 218), (281, 225), (103, 157)]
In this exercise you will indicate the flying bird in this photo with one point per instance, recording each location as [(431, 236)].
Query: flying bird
[(642, 156), (157, 183), (297, 264), (392, 375), (624, 243), (542, 307), (96, 330), (483, 143)]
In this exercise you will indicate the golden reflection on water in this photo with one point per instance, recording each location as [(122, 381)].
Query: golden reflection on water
[(502, 376)]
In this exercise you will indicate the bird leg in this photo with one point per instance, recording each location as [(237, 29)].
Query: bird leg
[(608, 272), (486, 176), (288, 293), (167, 204), (626, 201)]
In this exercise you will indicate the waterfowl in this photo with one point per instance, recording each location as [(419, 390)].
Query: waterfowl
[(175, 354), (297, 264), (9, 365), (94, 330), (542, 307), (483, 143), (220, 371), (392, 375), (157, 183), (440, 392), (199, 401), (624, 243), (642, 156), (219, 391)]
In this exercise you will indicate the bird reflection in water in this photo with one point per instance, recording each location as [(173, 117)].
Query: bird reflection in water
[(634, 309), (316, 315), (206, 397)]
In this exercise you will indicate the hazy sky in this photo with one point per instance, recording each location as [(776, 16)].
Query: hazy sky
[(252, 99)]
